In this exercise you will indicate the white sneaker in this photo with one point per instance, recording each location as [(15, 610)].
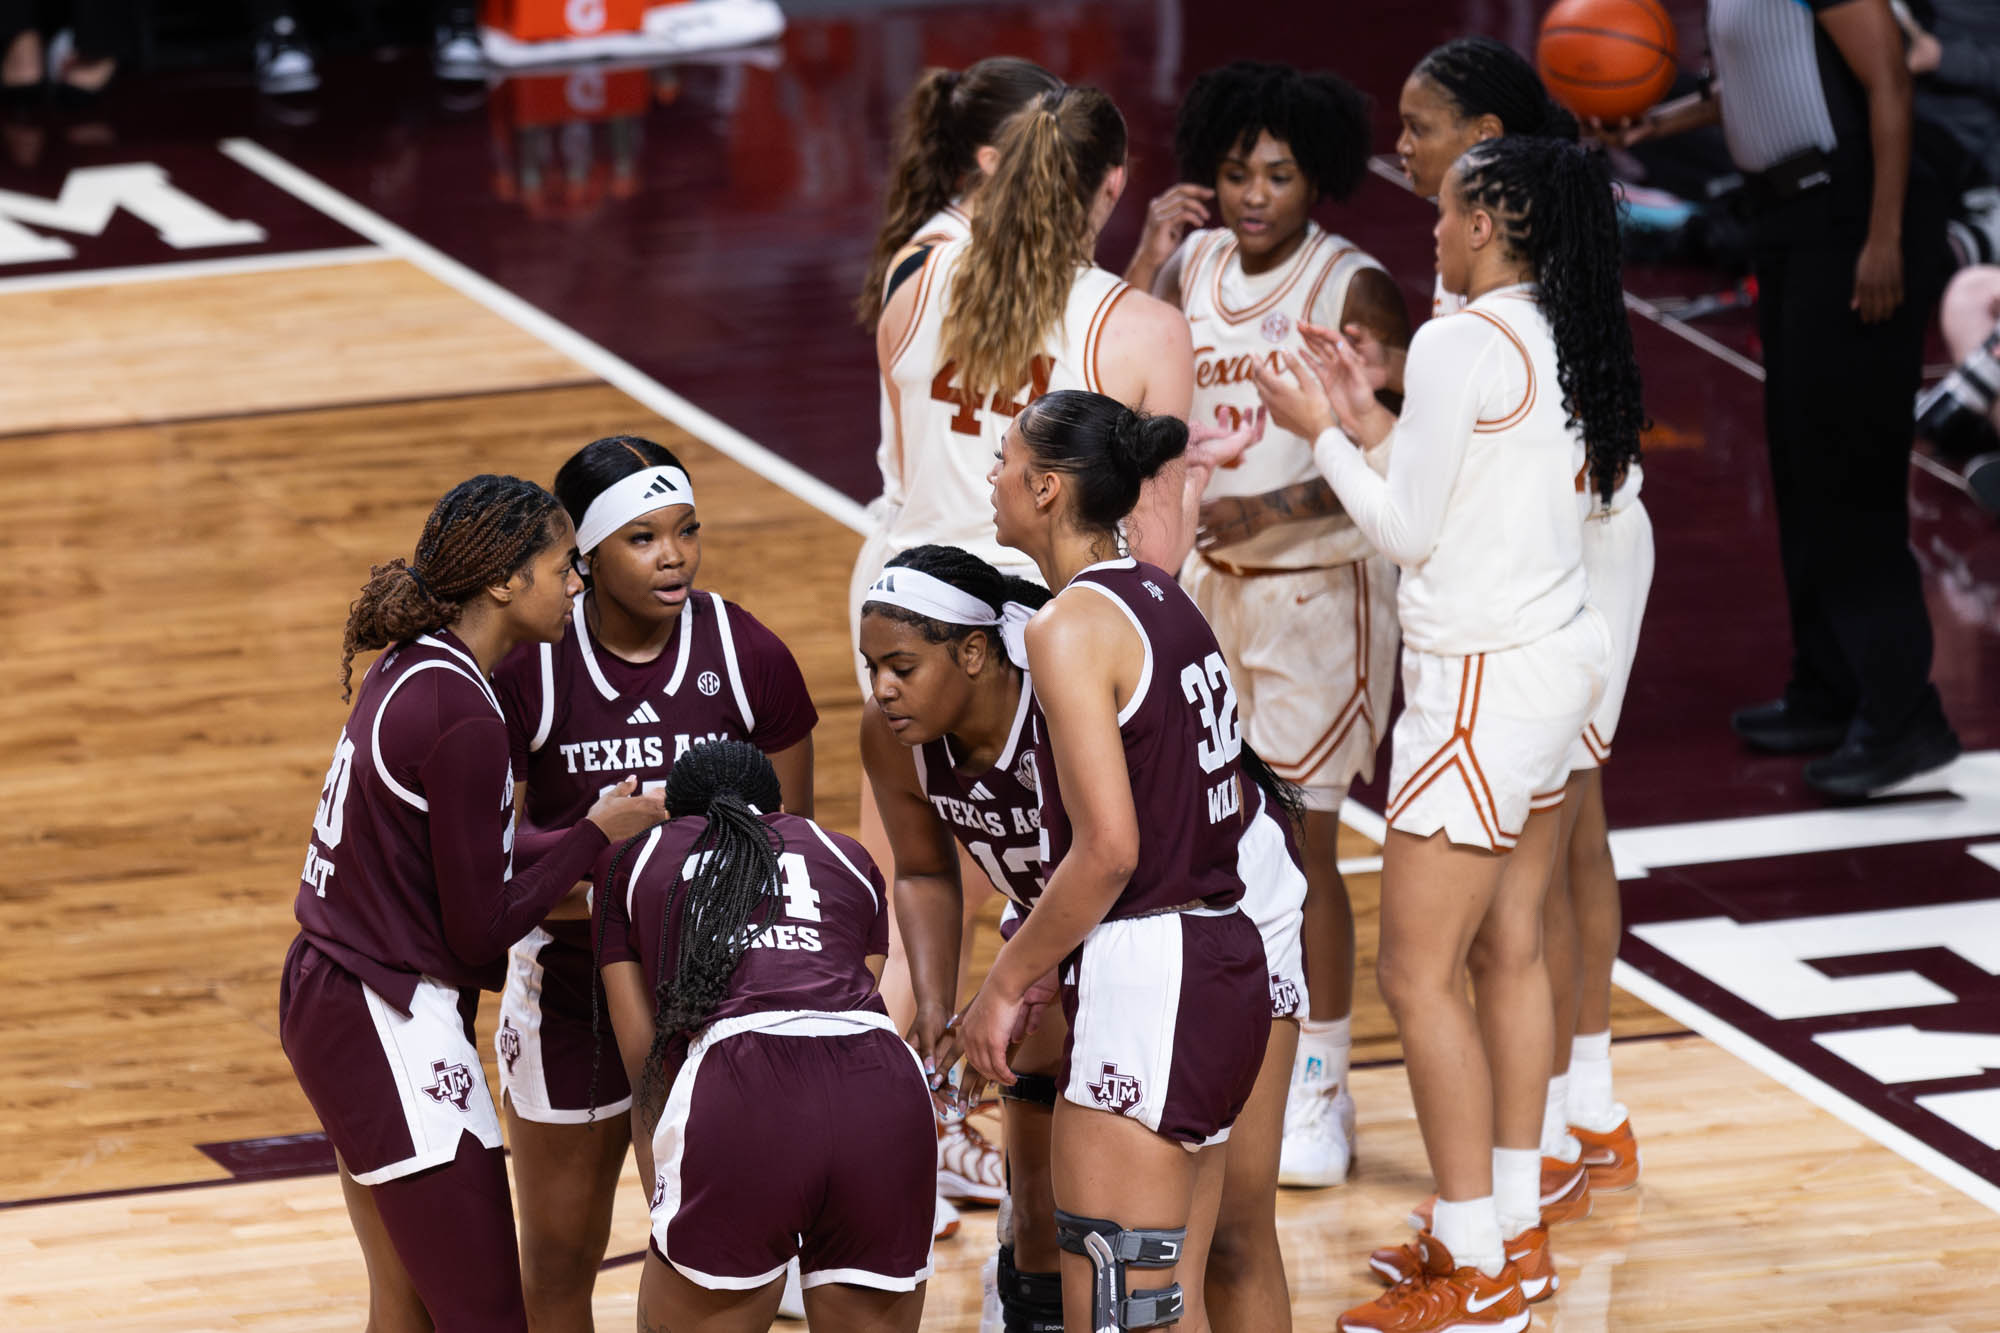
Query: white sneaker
[(1319, 1137), (969, 1166), (947, 1220), (792, 1305)]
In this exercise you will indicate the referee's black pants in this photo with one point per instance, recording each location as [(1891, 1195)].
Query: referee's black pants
[(1838, 398)]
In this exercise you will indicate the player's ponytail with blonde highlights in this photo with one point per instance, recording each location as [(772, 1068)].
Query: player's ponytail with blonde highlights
[(1030, 236), (947, 118), (484, 531)]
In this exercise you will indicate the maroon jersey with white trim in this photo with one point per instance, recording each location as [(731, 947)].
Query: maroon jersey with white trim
[(832, 917), (995, 815), (580, 719), (1182, 741), (409, 872)]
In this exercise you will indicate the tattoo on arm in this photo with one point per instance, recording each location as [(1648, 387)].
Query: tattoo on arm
[(648, 1326)]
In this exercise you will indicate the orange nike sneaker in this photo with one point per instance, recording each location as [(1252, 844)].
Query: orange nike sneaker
[(1443, 1298), (1396, 1263), (1612, 1158), (1528, 1254), (1565, 1191)]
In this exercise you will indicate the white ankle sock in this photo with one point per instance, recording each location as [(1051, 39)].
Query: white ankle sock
[(1517, 1189), (1557, 1141), (1323, 1050), (1470, 1229), (1590, 1101)]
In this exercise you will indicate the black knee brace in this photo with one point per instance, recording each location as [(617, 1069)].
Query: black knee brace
[(1112, 1249), (1029, 1302), (1031, 1090)]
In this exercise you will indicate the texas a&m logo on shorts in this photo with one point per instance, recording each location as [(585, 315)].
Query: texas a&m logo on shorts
[(1284, 997), (510, 1043), (1115, 1092), (451, 1083)]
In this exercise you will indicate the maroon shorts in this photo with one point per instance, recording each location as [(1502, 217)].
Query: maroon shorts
[(394, 1091), (820, 1146), (1168, 1018), (553, 1067)]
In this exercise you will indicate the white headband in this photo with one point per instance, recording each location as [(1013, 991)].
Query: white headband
[(630, 497), (928, 595)]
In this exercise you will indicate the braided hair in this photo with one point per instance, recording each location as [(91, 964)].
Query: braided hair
[(1553, 204), (1483, 77), (1320, 117), (967, 573), (484, 531), (728, 901)]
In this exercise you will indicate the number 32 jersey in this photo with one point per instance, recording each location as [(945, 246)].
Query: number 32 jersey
[(1183, 744), (947, 435)]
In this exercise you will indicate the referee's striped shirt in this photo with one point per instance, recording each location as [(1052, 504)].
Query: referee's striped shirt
[(1784, 86)]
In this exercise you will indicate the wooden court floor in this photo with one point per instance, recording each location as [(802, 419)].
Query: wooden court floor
[(193, 505)]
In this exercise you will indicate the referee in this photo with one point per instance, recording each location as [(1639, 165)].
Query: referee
[(1814, 100)]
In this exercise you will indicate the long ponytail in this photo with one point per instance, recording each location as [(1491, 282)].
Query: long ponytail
[(1554, 204), (1030, 236), (946, 119)]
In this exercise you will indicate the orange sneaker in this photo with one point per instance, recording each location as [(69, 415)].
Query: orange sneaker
[(1611, 1158), (1443, 1298), (1396, 1263), (1528, 1255), (1565, 1191)]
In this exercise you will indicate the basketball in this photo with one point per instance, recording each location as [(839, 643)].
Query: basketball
[(1607, 59)]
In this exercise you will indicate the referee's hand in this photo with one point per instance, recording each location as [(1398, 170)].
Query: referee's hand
[(1878, 281)]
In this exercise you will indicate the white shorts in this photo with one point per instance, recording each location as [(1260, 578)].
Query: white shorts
[(551, 1066), (1484, 740), (1313, 658), (1274, 898), (1168, 1020), (1618, 557)]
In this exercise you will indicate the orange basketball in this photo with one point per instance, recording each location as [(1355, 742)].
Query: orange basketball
[(1607, 59)]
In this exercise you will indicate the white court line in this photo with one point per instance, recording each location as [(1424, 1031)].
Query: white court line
[(598, 360), (1834, 1102), (195, 268)]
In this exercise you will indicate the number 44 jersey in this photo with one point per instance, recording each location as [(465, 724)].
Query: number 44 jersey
[(1183, 744)]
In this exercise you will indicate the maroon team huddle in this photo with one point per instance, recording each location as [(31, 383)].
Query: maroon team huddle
[(574, 777)]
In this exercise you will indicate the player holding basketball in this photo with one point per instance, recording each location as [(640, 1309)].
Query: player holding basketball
[(651, 666), (1163, 979), (1304, 608), (408, 903), (1504, 663), (947, 740), (782, 1115), (1465, 92)]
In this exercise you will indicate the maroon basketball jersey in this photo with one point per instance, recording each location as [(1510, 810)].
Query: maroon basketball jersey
[(580, 719), (832, 917), (1182, 742), (995, 815), (409, 871)]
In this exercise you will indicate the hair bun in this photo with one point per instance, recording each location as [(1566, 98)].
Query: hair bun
[(1142, 443)]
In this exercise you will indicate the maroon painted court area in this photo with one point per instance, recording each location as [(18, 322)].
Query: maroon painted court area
[(710, 223)]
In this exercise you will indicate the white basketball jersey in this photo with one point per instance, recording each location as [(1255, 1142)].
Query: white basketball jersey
[(1627, 491), (950, 436), (1240, 320), (950, 223)]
